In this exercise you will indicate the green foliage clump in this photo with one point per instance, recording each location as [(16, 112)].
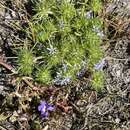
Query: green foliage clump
[(25, 61), (96, 5), (43, 75), (66, 38), (97, 80)]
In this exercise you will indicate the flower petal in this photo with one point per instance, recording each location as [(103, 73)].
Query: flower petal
[(50, 107), (43, 103), (99, 65), (42, 106), (43, 109), (39, 107), (44, 115)]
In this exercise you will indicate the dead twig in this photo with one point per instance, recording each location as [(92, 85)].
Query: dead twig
[(10, 68)]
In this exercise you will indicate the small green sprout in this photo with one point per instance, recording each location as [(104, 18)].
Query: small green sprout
[(43, 76), (96, 5), (67, 11), (97, 80)]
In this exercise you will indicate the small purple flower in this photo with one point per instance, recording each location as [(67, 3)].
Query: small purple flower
[(98, 31), (64, 67), (99, 65), (66, 80), (62, 80), (51, 49), (89, 14), (81, 73), (44, 107)]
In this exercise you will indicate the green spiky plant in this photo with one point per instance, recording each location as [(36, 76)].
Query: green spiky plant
[(25, 61), (65, 38)]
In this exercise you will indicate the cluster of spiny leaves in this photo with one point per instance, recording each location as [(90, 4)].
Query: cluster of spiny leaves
[(64, 36)]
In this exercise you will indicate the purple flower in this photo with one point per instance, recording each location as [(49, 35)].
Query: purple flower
[(44, 107), (64, 67), (81, 73), (89, 14), (66, 80), (99, 65), (51, 49), (98, 31)]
